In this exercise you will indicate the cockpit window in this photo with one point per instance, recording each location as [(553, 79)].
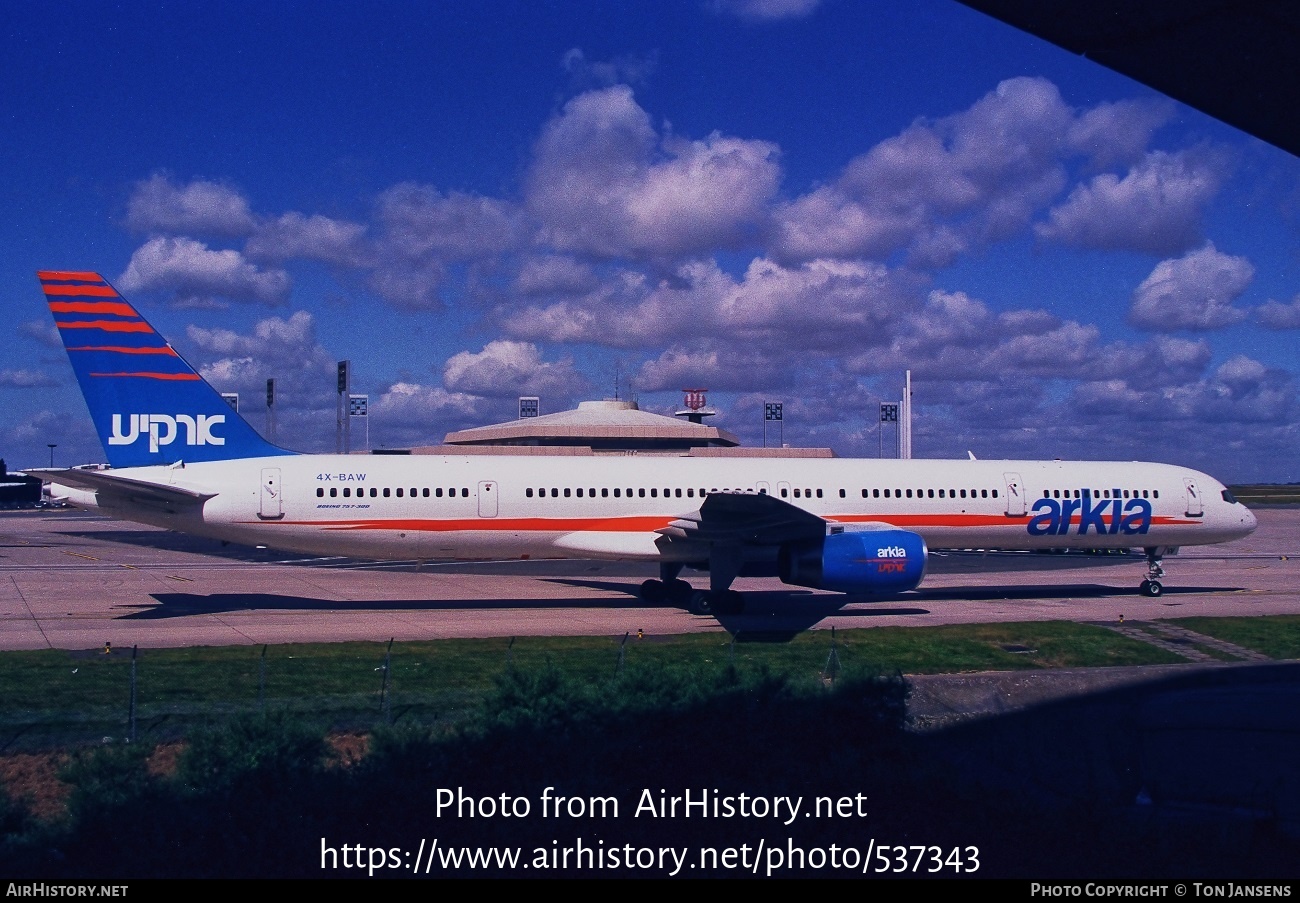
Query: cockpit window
[(1229, 497)]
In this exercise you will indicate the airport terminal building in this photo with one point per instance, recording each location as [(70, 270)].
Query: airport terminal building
[(610, 427)]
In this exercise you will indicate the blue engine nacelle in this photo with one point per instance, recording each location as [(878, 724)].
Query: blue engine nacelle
[(866, 561)]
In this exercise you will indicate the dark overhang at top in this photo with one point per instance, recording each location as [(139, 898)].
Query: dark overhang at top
[(1236, 61)]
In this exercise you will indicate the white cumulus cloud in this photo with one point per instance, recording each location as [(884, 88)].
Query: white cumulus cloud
[(1155, 208), (159, 205), (1193, 292), (505, 368), (603, 182), (190, 271)]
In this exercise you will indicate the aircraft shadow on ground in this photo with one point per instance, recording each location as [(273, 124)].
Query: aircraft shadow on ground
[(178, 605), (772, 614)]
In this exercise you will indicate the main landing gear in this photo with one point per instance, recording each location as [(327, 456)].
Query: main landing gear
[(675, 591), (668, 588), (1152, 587)]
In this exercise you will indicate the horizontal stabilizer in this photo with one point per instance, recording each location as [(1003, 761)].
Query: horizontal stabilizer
[(140, 492)]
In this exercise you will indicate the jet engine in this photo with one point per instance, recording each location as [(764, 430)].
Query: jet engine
[(885, 560)]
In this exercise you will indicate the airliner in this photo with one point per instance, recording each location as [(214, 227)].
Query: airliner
[(180, 458)]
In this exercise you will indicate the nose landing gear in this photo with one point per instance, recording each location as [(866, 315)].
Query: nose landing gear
[(1152, 587)]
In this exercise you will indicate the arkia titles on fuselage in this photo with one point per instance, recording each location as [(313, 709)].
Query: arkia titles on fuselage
[(182, 459)]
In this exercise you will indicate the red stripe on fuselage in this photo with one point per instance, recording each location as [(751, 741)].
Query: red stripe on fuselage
[(636, 524), (648, 524), (934, 520)]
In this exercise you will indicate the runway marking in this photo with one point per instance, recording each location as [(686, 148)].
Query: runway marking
[(79, 555), (175, 577)]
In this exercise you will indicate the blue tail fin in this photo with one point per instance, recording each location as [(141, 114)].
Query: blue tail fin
[(148, 404)]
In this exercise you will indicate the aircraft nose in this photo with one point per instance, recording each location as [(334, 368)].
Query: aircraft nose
[(1248, 520)]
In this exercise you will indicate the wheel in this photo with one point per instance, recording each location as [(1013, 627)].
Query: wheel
[(653, 591), (1151, 588), (700, 603)]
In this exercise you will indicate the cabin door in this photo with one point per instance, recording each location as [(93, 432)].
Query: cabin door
[(487, 498), (1194, 507), (270, 503), (1015, 495)]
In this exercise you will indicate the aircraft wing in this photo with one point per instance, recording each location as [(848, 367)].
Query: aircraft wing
[(127, 490), (746, 519)]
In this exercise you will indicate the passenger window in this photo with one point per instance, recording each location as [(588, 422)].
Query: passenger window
[(930, 493), (567, 492), (425, 492), (604, 492), (641, 493), (387, 492), (347, 492), (579, 492), (617, 492), (320, 492), (334, 493), (819, 493), (528, 493), (783, 493), (399, 492)]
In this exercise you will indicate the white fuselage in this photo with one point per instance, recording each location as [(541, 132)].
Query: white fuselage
[(490, 506)]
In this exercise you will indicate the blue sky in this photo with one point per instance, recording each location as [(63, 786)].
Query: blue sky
[(778, 199)]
